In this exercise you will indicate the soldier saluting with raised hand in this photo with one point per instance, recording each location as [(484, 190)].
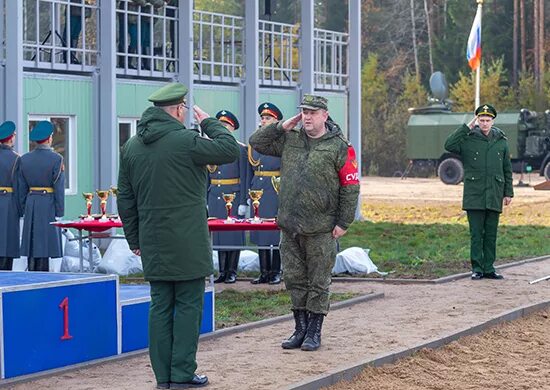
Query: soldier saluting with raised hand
[(485, 155), (317, 202)]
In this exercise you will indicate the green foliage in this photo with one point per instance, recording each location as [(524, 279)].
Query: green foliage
[(229, 7), (493, 89)]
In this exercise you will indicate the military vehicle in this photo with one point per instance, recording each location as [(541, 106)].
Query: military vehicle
[(528, 134)]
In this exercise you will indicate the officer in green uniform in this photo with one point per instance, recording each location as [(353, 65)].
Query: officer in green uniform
[(317, 201), (162, 204), (485, 155)]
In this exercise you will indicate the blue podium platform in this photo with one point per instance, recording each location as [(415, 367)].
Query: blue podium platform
[(134, 302), (53, 320)]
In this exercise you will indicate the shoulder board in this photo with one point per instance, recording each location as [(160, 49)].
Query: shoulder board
[(240, 143), (341, 136)]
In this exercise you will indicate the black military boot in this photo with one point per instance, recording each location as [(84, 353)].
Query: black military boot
[(264, 267), (222, 258), (232, 264), (295, 341), (312, 342), (6, 263), (275, 275)]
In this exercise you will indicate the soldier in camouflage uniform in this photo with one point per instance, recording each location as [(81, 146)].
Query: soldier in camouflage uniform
[(317, 202)]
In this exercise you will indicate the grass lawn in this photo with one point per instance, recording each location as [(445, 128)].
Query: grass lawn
[(240, 307), (431, 240)]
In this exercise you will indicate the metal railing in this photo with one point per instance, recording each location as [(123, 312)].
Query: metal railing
[(218, 49), (60, 34), (63, 35), (147, 38), (279, 54), (331, 59)]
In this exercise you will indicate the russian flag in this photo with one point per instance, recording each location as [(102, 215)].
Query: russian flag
[(473, 51)]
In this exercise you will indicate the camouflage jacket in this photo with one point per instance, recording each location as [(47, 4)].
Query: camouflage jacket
[(319, 178)]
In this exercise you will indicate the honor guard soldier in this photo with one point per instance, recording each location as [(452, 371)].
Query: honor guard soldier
[(263, 170), (9, 202), (42, 197), (228, 179), (485, 154)]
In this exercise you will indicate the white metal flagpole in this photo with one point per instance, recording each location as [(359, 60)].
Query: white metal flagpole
[(478, 71)]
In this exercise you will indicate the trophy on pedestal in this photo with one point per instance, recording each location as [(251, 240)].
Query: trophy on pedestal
[(114, 191), (229, 198), (276, 183), (255, 195), (103, 195), (88, 196)]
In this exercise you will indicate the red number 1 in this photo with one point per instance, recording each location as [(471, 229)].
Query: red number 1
[(65, 307)]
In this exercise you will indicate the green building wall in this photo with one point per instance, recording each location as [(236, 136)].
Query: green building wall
[(74, 96)]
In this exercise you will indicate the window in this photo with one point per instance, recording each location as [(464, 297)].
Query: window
[(126, 129), (64, 143)]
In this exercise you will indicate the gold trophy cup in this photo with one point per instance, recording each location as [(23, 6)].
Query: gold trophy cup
[(88, 196), (229, 198), (255, 195), (103, 195), (276, 183), (114, 191)]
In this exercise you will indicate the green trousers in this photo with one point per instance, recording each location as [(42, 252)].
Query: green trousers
[(174, 326), (307, 263), (483, 239)]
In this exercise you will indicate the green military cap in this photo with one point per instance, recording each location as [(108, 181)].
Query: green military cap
[(486, 109), (169, 95), (314, 102)]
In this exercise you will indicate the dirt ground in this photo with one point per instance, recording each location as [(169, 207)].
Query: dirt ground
[(406, 316)]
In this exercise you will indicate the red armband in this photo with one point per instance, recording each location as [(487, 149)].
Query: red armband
[(349, 175)]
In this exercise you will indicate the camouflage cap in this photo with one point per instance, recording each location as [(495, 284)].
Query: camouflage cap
[(169, 95), (487, 110), (314, 102)]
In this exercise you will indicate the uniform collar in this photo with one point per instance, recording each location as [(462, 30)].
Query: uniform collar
[(43, 147)]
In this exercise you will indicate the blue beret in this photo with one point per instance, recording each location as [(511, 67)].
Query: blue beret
[(6, 129), (41, 131), (228, 117), (271, 110)]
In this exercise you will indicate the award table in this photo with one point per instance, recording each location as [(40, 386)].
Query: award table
[(214, 225)]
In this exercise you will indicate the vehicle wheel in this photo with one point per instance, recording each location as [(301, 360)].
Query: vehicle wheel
[(547, 171), (451, 171)]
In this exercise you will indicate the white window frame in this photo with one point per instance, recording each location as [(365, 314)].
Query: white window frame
[(71, 135), (126, 120)]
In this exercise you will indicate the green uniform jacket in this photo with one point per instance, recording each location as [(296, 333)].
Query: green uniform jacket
[(311, 198), (487, 167), (162, 193)]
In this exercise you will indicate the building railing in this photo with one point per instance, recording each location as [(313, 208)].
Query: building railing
[(279, 54), (63, 35), (331, 59), (147, 38), (60, 34), (218, 47)]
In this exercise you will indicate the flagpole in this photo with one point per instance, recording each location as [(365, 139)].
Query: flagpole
[(478, 71)]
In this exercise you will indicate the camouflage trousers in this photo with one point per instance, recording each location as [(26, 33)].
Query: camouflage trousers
[(307, 264)]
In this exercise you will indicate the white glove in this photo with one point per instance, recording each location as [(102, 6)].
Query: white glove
[(243, 209), (58, 218)]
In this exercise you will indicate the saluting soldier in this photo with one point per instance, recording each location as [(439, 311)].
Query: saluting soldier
[(485, 154), (262, 168), (42, 197), (9, 202), (227, 179)]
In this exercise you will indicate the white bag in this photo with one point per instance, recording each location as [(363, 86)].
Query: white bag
[(248, 261), (120, 260), (71, 254), (355, 260)]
